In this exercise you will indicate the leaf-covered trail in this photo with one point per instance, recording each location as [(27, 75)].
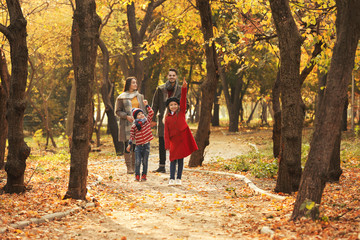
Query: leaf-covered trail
[(205, 206)]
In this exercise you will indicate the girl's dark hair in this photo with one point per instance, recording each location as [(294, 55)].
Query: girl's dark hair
[(167, 111), (128, 83)]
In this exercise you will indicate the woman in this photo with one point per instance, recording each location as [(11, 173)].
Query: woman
[(126, 101)]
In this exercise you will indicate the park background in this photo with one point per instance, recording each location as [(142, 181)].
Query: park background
[(229, 52)]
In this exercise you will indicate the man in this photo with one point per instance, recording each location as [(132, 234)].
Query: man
[(170, 89)]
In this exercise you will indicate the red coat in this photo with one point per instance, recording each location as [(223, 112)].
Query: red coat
[(178, 137)]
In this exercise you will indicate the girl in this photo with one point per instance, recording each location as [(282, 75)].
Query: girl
[(178, 137)]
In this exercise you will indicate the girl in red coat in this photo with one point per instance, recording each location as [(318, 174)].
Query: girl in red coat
[(178, 137)]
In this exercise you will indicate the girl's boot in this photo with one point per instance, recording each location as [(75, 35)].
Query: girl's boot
[(129, 167)]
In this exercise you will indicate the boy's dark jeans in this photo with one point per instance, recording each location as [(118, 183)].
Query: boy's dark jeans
[(142, 156)]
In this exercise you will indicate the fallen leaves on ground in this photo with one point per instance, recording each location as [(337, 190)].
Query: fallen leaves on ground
[(208, 205)]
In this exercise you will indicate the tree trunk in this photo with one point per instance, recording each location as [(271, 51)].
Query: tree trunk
[(45, 119), (208, 88), (252, 112), (233, 100), (328, 125), (98, 120), (233, 119), (276, 137), (4, 94), (86, 25), (107, 90), (335, 170), (344, 121), (215, 120), (18, 149), (292, 113), (264, 107), (71, 111)]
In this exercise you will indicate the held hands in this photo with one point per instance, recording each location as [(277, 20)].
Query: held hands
[(145, 102), (130, 118)]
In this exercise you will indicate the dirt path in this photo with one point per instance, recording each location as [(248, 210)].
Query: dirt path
[(205, 206)]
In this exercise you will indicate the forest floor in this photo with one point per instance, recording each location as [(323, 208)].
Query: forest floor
[(207, 205)]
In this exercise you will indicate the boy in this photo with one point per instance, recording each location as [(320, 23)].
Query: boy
[(141, 132)]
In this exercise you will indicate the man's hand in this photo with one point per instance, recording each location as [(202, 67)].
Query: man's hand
[(128, 148), (145, 102), (153, 124)]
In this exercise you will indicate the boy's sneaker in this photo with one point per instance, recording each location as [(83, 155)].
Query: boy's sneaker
[(171, 182), (143, 177), (137, 177), (178, 181)]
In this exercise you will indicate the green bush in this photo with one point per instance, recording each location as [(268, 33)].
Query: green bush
[(261, 169)]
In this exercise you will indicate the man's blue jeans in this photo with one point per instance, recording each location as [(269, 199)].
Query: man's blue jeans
[(180, 163), (142, 156)]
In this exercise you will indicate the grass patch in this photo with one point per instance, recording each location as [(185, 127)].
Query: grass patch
[(260, 163)]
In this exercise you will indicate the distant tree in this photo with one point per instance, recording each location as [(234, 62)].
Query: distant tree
[(208, 87), (138, 36), (107, 88), (85, 35), (327, 128), (18, 149)]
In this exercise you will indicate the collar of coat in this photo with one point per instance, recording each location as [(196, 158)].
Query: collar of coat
[(163, 87), (127, 95)]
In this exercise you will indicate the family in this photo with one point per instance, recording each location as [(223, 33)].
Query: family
[(137, 118)]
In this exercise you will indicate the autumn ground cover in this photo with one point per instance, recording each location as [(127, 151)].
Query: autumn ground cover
[(206, 206)]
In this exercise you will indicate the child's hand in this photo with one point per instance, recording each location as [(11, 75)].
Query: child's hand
[(184, 83), (128, 148), (145, 102)]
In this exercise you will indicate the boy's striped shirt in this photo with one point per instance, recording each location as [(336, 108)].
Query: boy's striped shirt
[(144, 135)]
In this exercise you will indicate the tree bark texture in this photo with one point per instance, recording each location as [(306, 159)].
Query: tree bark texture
[(327, 128), (18, 149), (292, 114), (86, 24), (4, 94), (276, 137), (208, 87), (71, 110), (335, 170)]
